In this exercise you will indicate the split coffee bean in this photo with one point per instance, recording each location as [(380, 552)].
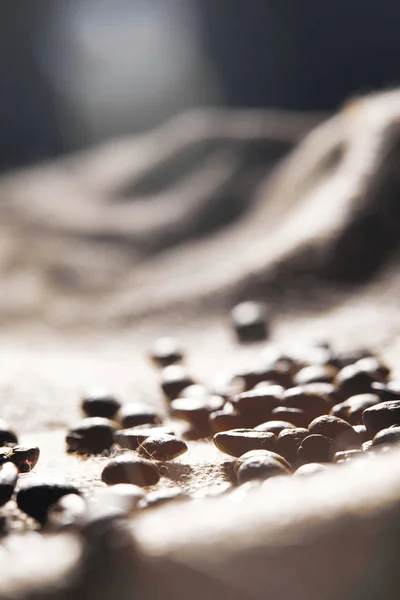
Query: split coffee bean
[(7, 435), (250, 321), (315, 373), (288, 443), (260, 467), (339, 431), (166, 351), (296, 416), (261, 453), (100, 403), (352, 409), (391, 435), (35, 498), (69, 512), (134, 414), (130, 469), (381, 416), (8, 480), (313, 404), (311, 469), (174, 379), (134, 436), (274, 426), (162, 447), (315, 448), (92, 435), (238, 441)]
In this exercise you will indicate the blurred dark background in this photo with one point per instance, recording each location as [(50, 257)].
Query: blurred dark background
[(75, 72)]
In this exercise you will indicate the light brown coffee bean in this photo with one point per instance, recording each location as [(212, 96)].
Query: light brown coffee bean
[(238, 441), (288, 443), (162, 447), (381, 416), (315, 448), (339, 431), (260, 467), (129, 468), (138, 413), (274, 426)]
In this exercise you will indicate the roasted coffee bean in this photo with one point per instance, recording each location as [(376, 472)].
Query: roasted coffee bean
[(100, 403), (166, 351), (225, 419), (24, 458), (250, 321), (276, 374), (315, 448), (315, 373), (196, 410), (260, 467), (134, 436), (353, 380), (124, 496), (362, 432), (159, 497), (372, 365), (311, 469), (288, 443), (346, 455), (174, 379), (297, 416), (352, 409), (130, 469), (386, 391), (391, 435), (8, 480), (313, 404), (339, 431), (343, 359), (35, 498), (274, 426), (162, 447), (69, 512), (7, 435), (92, 435), (319, 387), (381, 416), (256, 405), (134, 414), (261, 453), (238, 441)]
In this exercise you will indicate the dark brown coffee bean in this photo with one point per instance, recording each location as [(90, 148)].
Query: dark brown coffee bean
[(35, 498), (278, 374), (159, 497), (339, 431), (256, 405), (386, 391), (311, 469), (260, 467), (92, 435), (100, 403), (297, 416), (315, 373), (346, 455), (372, 365), (226, 419), (313, 404), (130, 469), (315, 448), (319, 387), (166, 351), (391, 435), (162, 447), (7, 435), (351, 410), (288, 443), (134, 436), (8, 480), (174, 379), (134, 414), (196, 410), (274, 426), (69, 512), (381, 416), (250, 322), (24, 458), (361, 430), (353, 380), (343, 359), (261, 453), (238, 441)]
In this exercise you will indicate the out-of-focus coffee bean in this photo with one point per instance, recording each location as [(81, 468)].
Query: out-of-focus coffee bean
[(339, 431), (372, 365), (166, 351), (124, 496), (315, 373), (211, 491), (366, 446), (196, 410), (162, 447), (36, 498), (8, 480), (130, 469), (362, 432), (381, 416), (353, 380), (315, 448), (319, 387), (288, 443), (92, 435), (261, 453), (297, 416), (346, 455), (159, 497), (387, 391), (278, 374), (134, 414), (24, 458), (250, 321), (351, 410), (195, 391), (311, 469), (174, 379), (7, 435), (391, 435), (100, 403), (343, 359), (274, 426), (225, 419), (134, 436), (271, 387), (260, 467), (256, 405), (68, 512), (238, 441), (313, 404)]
